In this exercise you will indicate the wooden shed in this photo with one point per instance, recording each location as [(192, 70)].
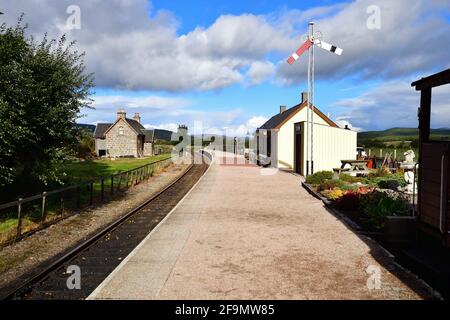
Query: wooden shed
[(282, 140), (434, 173)]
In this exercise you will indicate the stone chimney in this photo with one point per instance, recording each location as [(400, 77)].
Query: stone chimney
[(282, 109), (137, 117), (304, 96), (121, 114)]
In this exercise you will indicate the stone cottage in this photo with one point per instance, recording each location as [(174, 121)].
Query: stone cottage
[(124, 138)]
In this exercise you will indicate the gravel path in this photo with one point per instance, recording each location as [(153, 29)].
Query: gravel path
[(18, 260), (244, 233)]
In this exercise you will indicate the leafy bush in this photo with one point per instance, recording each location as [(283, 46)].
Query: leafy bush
[(378, 205), (391, 181), (330, 184), (350, 187), (349, 201), (319, 177), (348, 178), (388, 184), (335, 194), (380, 172), (332, 194)]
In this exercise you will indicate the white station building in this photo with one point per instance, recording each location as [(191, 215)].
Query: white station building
[(282, 141)]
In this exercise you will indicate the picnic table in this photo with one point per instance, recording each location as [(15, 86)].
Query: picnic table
[(356, 167)]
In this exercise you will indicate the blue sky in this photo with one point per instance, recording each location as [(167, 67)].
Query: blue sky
[(192, 14), (223, 62)]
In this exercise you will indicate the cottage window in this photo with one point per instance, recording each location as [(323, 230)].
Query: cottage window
[(121, 131)]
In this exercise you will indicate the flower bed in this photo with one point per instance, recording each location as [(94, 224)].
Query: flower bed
[(368, 200)]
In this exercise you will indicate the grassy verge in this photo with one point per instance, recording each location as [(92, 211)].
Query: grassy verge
[(78, 172), (88, 170)]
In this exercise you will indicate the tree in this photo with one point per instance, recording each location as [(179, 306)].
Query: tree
[(85, 148), (43, 87)]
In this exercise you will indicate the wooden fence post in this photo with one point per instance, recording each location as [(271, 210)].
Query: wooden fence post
[(91, 190), (78, 197), (19, 218), (118, 183), (43, 211), (62, 204), (103, 189)]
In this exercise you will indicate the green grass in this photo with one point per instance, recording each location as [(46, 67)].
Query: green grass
[(375, 151), (77, 172), (402, 134), (8, 224), (88, 170)]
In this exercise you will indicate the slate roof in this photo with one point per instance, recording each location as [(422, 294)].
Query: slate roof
[(103, 127), (135, 125), (277, 120), (100, 130)]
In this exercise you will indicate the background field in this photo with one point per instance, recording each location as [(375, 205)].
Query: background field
[(90, 169)]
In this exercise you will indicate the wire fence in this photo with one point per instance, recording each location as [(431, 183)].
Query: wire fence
[(25, 216)]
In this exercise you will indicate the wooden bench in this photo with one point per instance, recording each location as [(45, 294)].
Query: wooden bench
[(357, 167), (338, 171)]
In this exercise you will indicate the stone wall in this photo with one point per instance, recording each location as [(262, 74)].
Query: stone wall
[(148, 149), (122, 145), (100, 144)]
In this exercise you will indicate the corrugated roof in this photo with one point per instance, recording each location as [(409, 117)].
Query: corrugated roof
[(100, 130)]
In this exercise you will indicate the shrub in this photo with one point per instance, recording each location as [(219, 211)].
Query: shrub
[(388, 184), (348, 178), (349, 201), (330, 184), (378, 205), (350, 187), (382, 171), (333, 194), (319, 177)]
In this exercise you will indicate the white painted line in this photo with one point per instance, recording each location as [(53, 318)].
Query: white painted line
[(108, 279)]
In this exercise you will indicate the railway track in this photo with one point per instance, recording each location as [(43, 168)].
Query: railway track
[(101, 254)]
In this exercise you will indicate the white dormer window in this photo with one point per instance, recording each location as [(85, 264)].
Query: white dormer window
[(120, 131)]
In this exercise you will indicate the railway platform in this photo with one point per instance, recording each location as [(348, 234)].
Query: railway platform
[(244, 232)]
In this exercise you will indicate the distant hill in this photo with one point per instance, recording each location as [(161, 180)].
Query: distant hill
[(402, 134), (88, 127), (164, 135)]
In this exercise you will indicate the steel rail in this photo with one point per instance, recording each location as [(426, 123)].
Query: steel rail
[(91, 241)]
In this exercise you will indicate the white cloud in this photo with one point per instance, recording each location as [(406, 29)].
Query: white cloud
[(165, 126), (403, 46), (393, 104), (239, 130), (256, 122), (153, 102), (127, 49), (260, 71), (343, 123)]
